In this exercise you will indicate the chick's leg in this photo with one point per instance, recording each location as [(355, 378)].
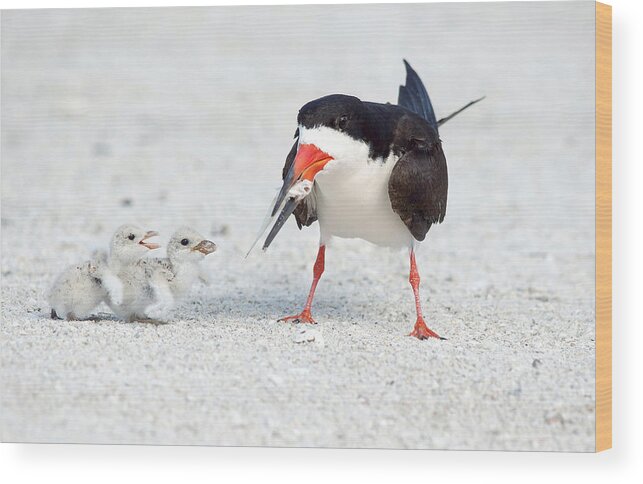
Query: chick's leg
[(113, 286), (164, 300)]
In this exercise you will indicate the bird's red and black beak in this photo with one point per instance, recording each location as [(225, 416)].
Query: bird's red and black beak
[(309, 160)]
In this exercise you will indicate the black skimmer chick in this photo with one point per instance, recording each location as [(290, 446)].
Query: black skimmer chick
[(153, 286), (367, 170), (81, 288)]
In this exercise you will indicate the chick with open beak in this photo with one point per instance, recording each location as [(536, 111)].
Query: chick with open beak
[(149, 245), (81, 288), (155, 285)]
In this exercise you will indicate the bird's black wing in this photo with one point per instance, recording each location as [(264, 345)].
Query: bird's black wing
[(419, 182), (305, 213), (413, 96)]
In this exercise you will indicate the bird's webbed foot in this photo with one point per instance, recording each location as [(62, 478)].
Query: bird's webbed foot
[(304, 317), (422, 331)]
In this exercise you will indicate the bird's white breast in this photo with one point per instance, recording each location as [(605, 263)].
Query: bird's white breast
[(351, 192)]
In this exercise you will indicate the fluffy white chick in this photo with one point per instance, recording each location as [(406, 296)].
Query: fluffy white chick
[(80, 288), (152, 287)]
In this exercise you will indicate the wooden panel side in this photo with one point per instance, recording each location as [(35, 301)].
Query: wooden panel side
[(603, 227)]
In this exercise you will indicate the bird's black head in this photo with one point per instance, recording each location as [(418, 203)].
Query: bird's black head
[(337, 111), (329, 129)]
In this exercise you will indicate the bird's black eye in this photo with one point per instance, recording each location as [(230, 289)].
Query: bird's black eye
[(419, 144), (131, 236), (185, 242), (342, 121)]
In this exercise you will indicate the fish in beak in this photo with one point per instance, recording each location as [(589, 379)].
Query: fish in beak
[(205, 247), (149, 245), (298, 182)]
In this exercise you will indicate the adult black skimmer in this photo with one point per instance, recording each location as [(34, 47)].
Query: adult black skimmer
[(367, 170)]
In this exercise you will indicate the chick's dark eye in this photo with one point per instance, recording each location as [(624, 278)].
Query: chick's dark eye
[(342, 121), (185, 242), (131, 236)]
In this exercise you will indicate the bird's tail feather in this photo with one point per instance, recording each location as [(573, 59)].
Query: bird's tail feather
[(446, 118), (413, 96)]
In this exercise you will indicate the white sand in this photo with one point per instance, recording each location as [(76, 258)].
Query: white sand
[(165, 117)]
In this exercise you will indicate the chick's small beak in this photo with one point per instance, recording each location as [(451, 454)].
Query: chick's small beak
[(205, 247), (150, 245)]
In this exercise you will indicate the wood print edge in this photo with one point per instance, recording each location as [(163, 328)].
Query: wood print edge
[(603, 227)]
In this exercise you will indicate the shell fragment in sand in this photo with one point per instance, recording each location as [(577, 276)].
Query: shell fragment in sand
[(309, 334)]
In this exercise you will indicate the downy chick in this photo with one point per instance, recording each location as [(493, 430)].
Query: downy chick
[(152, 287), (79, 289)]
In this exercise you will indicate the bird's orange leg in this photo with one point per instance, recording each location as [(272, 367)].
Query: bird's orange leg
[(421, 330), (318, 269)]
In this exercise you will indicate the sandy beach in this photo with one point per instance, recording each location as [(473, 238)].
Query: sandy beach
[(164, 117)]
